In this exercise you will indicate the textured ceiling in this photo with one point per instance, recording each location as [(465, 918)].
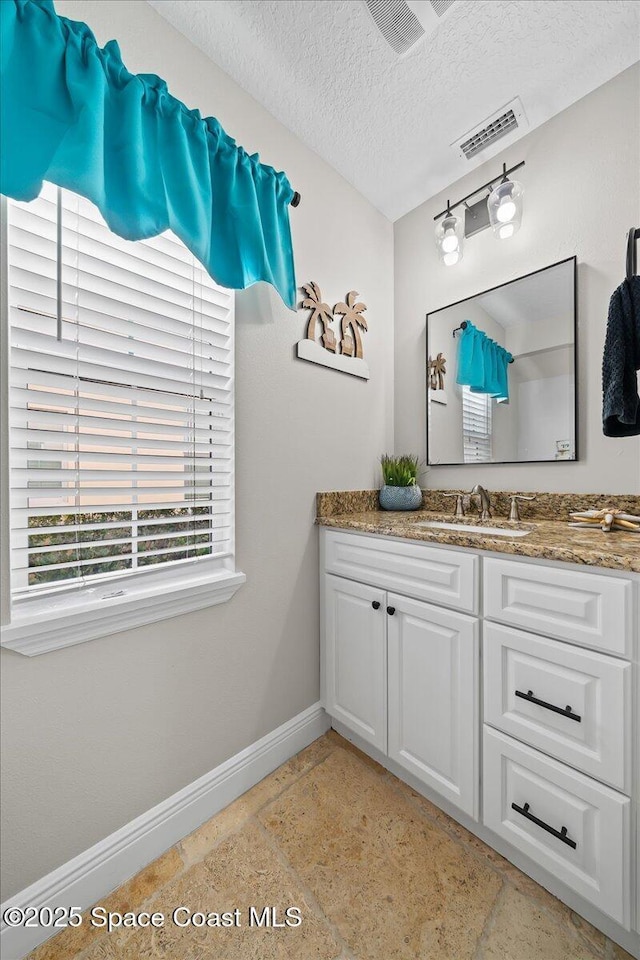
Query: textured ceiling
[(545, 295), (386, 122)]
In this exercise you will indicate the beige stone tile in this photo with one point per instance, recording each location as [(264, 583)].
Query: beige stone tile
[(130, 896), (196, 846), (107, 949), (241, 872), (511, 873), (619, 953), (368, 761), (136, 891), (594, 938), (521, 931), (393, 883)]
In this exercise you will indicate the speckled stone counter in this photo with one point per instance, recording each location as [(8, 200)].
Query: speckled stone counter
[(548, 540)]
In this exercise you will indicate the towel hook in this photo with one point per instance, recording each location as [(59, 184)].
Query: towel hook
[(632, 254)]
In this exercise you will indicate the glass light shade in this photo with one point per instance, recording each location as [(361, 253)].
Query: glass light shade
[(450, 239), (505, 208)]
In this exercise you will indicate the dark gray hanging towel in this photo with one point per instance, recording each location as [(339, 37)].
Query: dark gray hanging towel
[(621, 359)]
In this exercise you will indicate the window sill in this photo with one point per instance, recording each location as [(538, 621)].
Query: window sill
[(51, 628)]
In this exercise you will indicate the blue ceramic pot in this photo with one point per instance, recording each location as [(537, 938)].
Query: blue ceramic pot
[(400, 498)]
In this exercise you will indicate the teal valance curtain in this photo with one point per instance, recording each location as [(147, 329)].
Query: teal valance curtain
[(72, 114), (482, 363)]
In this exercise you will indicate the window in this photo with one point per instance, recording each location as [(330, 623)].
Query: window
[(476, 426), (121, 414)]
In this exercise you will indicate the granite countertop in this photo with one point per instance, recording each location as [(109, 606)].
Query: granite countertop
[(549, 539)]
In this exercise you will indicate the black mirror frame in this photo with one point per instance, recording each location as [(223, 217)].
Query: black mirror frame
[(480, 293)]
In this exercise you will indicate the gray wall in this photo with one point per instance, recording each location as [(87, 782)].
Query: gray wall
[(582, 194), (96, 734)]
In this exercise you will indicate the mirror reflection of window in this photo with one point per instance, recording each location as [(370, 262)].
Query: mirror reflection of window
[(476, 426)]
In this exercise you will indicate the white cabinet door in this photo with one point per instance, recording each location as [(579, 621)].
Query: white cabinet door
[(356, 658), (433, 698)]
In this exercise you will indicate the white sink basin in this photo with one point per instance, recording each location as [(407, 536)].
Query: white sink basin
[(472, 528)]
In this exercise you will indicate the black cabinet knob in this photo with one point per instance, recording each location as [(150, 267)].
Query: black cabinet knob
[(391, 611), (375, 604)]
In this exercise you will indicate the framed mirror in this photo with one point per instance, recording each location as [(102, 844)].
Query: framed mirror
[(501, 373)]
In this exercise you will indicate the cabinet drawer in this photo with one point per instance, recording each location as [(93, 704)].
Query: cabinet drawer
[(570, 825), (442, 576), (520, 669), (580, 607)]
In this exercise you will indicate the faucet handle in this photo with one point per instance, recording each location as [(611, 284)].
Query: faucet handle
[(514, 513), (459, 511)]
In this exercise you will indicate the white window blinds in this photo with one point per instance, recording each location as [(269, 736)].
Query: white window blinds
[(121, 412), (476, 426)]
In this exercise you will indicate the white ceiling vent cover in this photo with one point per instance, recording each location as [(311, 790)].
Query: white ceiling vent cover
[(403, 22), (507, 122)]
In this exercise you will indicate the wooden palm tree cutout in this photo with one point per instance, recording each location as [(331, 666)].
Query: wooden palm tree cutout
[(320, 313), (351, 324), (437, 369)]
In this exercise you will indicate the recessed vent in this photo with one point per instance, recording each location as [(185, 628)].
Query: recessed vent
[(506, 122), (440, 7), (493, 131), (396, 22), (403, 22)]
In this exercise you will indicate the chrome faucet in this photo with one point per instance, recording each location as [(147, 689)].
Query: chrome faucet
[(459, 511), (514, 513), (485, 502)]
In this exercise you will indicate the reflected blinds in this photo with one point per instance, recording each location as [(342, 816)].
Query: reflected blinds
[(476, 426), (121, 413)]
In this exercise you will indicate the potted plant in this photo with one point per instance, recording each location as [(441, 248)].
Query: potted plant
[(400, 490)]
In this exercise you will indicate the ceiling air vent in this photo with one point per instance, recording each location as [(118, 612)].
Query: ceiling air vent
[(506, 122), (403, 22), (440, 7)]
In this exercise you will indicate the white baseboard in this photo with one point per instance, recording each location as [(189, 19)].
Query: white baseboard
[(93, 874)]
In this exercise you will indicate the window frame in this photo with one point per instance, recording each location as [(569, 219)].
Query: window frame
[(71, 613)]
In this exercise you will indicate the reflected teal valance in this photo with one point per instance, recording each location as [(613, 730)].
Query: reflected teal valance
[(72, 114), (482, 363)]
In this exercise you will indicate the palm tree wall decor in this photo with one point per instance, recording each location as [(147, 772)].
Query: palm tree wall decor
[(320, 312), (437, 370), (340, 342), (352, 321)]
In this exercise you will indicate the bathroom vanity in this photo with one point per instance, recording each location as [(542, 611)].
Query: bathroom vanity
[(502, 684)]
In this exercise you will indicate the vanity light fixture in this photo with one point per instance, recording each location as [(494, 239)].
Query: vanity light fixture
[(504, 204), (450, 238), (501, 209)]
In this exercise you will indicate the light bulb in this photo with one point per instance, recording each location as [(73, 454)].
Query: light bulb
[(506, 211), (450, 239), (450, 242), (504, 205)]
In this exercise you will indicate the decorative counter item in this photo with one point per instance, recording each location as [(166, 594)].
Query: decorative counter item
[(340, 343), (607, 519), (400, 490)]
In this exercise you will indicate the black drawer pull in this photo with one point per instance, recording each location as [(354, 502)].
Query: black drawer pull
[(560, 834), (391, 611), (565, 712), (375, 604)]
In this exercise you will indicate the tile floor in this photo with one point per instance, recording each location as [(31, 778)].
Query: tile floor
[(377, 871)]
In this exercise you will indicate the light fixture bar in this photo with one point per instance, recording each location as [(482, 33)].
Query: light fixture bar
[(490, 183)]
